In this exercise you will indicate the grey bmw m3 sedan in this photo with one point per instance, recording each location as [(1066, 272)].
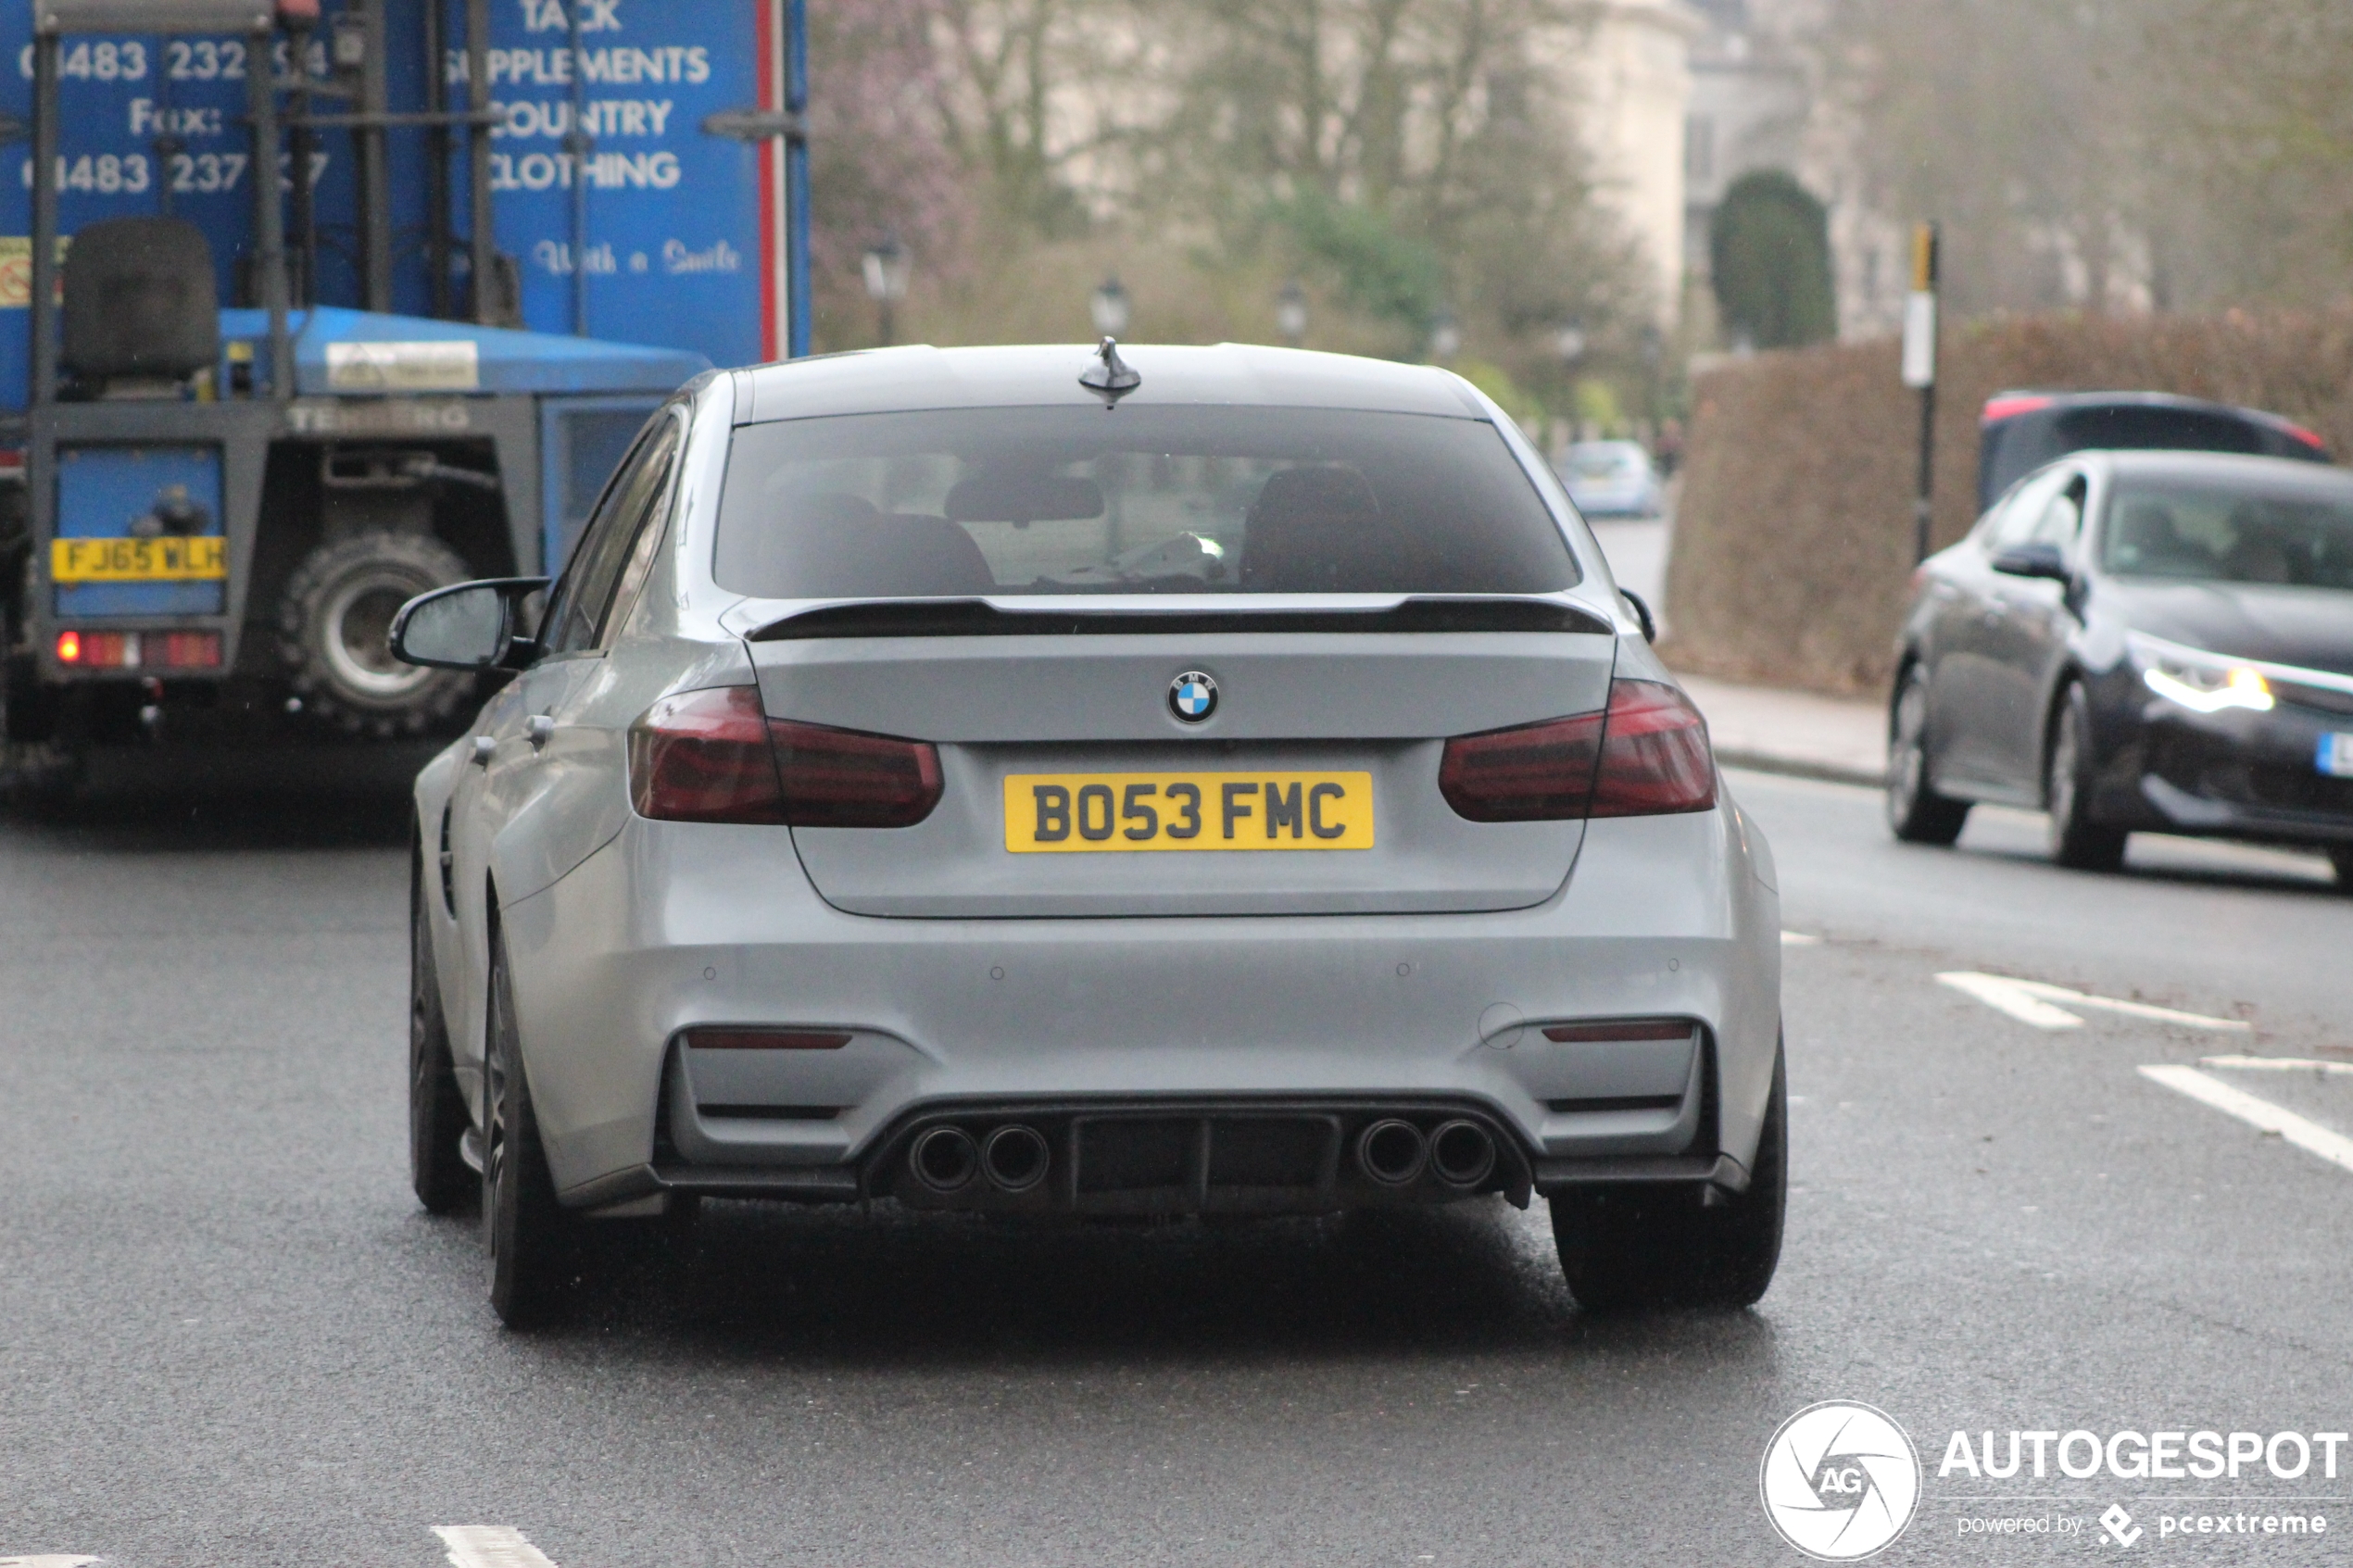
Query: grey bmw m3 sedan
[(1055, 782)]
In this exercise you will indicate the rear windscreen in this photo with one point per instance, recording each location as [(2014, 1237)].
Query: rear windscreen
[(2212, 533), (1138, 500)]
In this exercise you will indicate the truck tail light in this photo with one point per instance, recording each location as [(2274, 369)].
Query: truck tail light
[(716, 756), (1645, 755), (140, 650)]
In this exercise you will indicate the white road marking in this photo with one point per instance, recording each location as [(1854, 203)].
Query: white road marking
[(2029, 1001), (2261, 1114), (2280, 1064), (45, 1561), (2007, 996), (489, 1545), (1798, 939)]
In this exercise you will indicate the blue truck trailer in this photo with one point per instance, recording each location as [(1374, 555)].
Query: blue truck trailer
[(307, 308)]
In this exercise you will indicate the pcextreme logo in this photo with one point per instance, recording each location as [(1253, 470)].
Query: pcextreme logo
[(1840, 1480)]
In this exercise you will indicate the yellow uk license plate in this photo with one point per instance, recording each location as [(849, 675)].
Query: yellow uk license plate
[(202, 560), (1080, 813)]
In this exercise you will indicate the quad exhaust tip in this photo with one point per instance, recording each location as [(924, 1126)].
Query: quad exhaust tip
[(1014, 1158), (1391, 1152), (944, 1159), (1462, 1153)]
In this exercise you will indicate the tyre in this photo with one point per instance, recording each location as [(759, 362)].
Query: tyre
[(333, 628), (531, 1239), (437, 1110), (2341, 857), (1916, 813), (1638, 1247), (2075, 839)]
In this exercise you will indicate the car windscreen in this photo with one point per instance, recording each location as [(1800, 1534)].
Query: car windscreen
[(2212, 532), (1135, 500)]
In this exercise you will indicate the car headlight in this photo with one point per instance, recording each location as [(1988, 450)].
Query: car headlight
[(2201, 682)]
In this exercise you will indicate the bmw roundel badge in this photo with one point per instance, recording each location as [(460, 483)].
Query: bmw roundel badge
[(1192, 696)]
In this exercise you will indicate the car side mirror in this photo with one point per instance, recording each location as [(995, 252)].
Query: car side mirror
[(1642, 613), (2036, 559), (468, 626)]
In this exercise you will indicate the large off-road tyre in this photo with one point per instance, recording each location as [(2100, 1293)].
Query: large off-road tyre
[(2075, 839), (437, 1118), (1916, 813), (1645, 1246), (333, 624), (533, 1244)]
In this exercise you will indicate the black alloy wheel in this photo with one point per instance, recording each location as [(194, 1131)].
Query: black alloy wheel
[(1916, 813), (2075, 839), (437, 1110), (530, 1237), (1650, 1246)]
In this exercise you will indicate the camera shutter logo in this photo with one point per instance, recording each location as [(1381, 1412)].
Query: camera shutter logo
[(1839, 1481)]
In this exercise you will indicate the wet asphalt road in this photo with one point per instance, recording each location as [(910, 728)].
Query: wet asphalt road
[(228, 1337)]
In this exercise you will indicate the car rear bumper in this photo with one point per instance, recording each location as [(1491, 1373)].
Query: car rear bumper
[(674, 926)]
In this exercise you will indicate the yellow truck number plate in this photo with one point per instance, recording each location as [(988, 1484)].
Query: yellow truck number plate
[(201, 560), (1081, 813)]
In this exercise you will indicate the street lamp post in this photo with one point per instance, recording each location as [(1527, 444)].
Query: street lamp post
[(1109, 307), (1290, 313), (887, 267)]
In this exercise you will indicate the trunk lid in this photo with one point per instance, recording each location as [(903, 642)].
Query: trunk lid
[(1074, 701)]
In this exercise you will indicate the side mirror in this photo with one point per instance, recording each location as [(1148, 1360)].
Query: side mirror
[(2033, 560), (468, 626), (1642, 613)]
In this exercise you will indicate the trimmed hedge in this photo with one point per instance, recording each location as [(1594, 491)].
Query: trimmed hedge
[(1793, 551)]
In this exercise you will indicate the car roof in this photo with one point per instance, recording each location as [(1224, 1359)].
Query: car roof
[(919, 376), (2223, 466), (2037, 400)]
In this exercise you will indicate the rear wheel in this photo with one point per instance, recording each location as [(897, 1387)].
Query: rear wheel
[(2075, 839), (531, 1237), (1915, 811), (1634, 1246), (333, 628), (437, 1110)]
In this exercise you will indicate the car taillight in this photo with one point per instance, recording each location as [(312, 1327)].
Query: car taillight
[(1645, 755), (2310, 438), (1655, 754), (843, 779), (1537, 773), (1998, 408), (716, 756)]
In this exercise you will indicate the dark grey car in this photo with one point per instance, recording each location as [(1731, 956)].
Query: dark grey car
[(2154, 641)]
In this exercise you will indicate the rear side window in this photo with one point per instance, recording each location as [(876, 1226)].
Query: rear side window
[(2158, 429), (1139, 500)]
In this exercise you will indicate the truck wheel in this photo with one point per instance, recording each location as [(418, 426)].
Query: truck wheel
[(337, 611), (1636, 1247)]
